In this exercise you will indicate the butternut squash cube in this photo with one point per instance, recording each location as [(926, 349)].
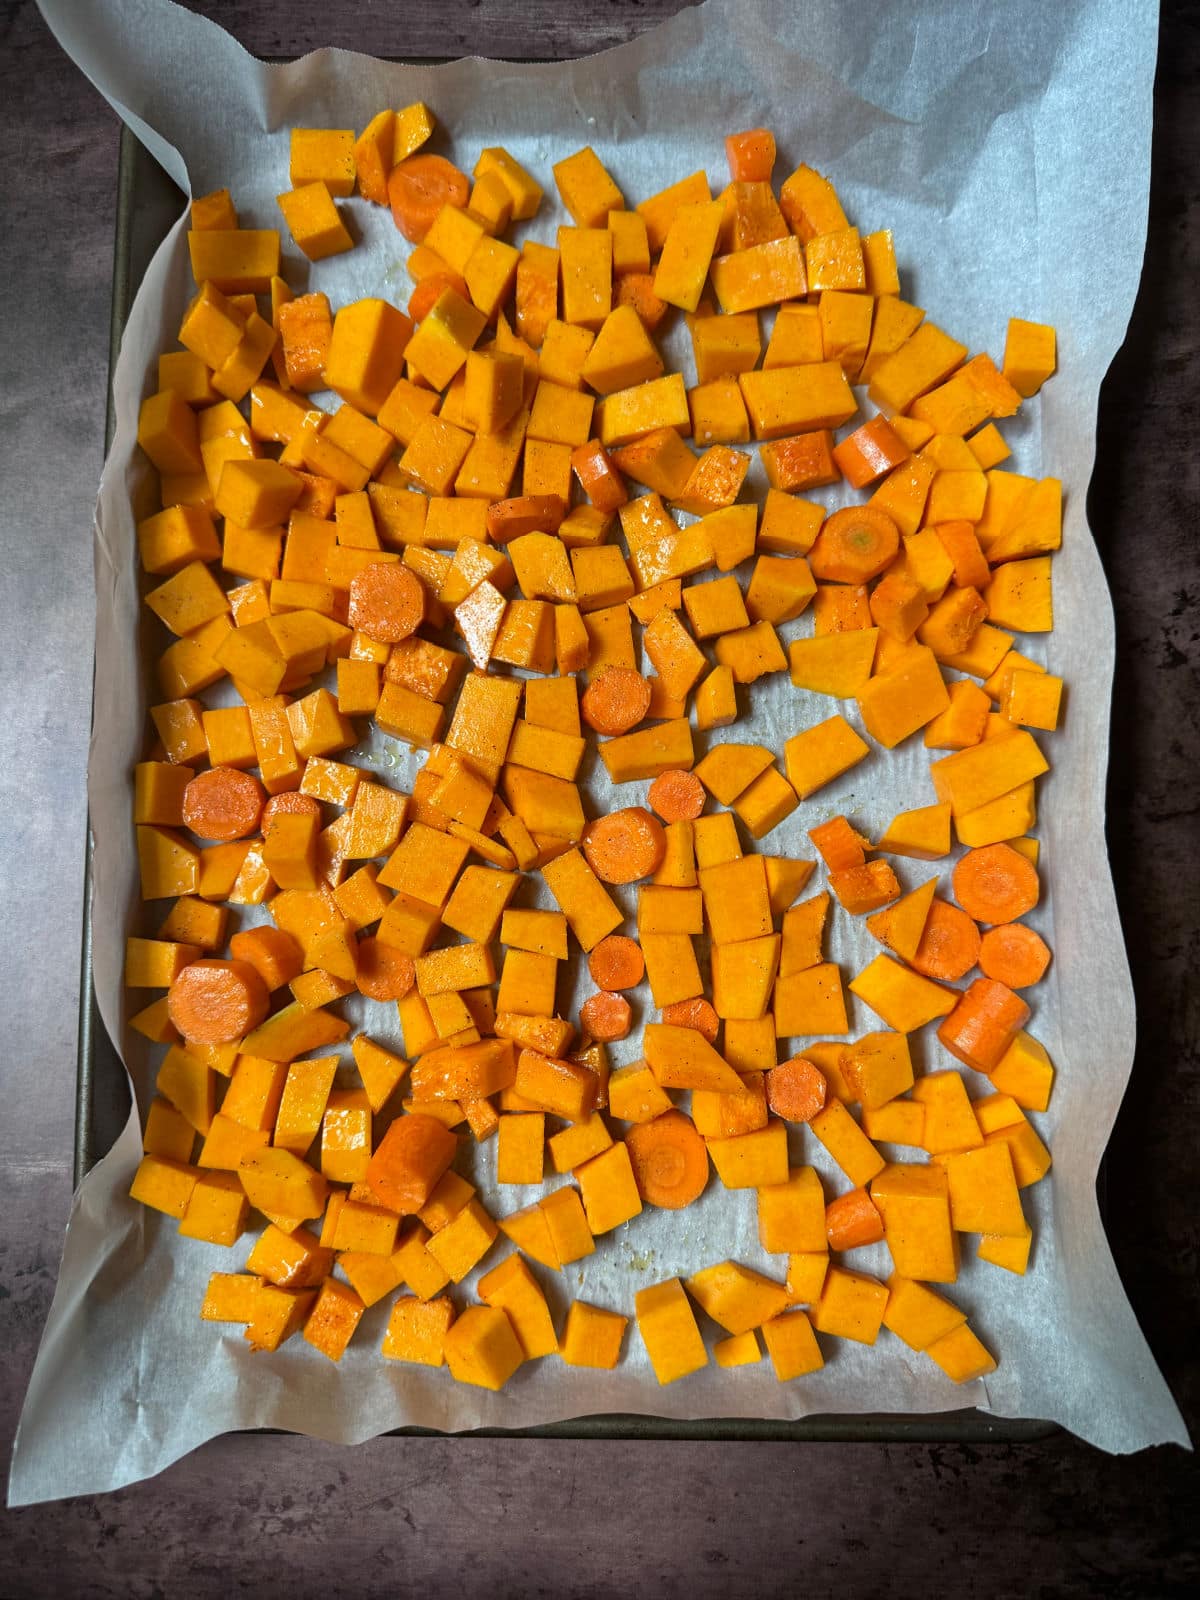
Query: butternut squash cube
[(668, 1328)]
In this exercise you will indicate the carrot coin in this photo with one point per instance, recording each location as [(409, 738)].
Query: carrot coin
[(796, 1090), (677, 796), (615, 701), (851, 1220), (387, 601), (223, 804), (273, 953), (418, 188), (215, 1002), (995, 884), (384, 973), (1014, 955), (698, 1014), (949, 945), (624, 846), (854, 545), (429, 291), (669, 1161), (606, 1017), (617, 963)]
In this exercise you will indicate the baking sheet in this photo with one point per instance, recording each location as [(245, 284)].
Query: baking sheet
[(1008, 148)]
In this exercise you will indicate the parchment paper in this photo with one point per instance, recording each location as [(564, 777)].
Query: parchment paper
[(1007, 146)]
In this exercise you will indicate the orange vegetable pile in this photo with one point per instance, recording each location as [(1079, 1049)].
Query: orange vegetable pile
[(499, 508)]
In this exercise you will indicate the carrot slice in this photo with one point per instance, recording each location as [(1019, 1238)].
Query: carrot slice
[(624, 846), (387, 602), (617, 963), (840, 845), (419, 187), (215, 1002), (949, 945), (290, 804), (677, 796), (223, 803), (384, 973), (273, 953), (851, 1220), (524, 513), (430, 290), (854, 545), (796, 1090), (1014, 955), (995, 884), (751, 155), (984, 1022), (669, 1161), (615, 701), (606, 1017), (698, 1014)]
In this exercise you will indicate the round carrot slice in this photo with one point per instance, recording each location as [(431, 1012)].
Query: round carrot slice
[(1014, 955), (223, 803), (615, 701), (677, 796), (949, 945), (418, 188), (384, 973), (387, 601), (854, 545), (617, 963), (215, 1002), (698, 1014), (995, 884), (607, 1017), (796, 1090), (669, 1161), (290, 803), (273, 953), (624, 846)]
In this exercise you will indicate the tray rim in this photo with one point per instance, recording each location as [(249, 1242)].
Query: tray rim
[(969, 1426)]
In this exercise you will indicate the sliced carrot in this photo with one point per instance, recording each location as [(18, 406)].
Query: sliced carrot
[(1014, 954), (624, 846), (615, 701), (959, 540), (751, 155), (949, 945), (291, 803), (698, 1014), (677, 796), (669, 1161), (995, 884), (984, 1022), (606, 1017), (870, 452), (387, 601), (598, 476), (273, 953), (430, 290), (617, 963), (839, 845), (524, 513), (851, 1220), (216, 1002), (383, 972), (636, 289), (419, 187), (412, 1155), (854, 545), (223, 804), (796, 1090)]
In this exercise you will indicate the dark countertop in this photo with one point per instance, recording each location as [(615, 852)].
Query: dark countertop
[(555, 1517)]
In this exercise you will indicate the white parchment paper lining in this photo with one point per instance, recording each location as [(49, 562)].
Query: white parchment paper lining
[(1007, 146)]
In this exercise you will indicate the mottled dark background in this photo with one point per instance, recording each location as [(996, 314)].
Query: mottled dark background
[(286, 1516)]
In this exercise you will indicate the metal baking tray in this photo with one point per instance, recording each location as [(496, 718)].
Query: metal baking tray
[(148, 204)]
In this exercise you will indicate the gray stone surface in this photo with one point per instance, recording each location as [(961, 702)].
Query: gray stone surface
[(563, 1518)]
